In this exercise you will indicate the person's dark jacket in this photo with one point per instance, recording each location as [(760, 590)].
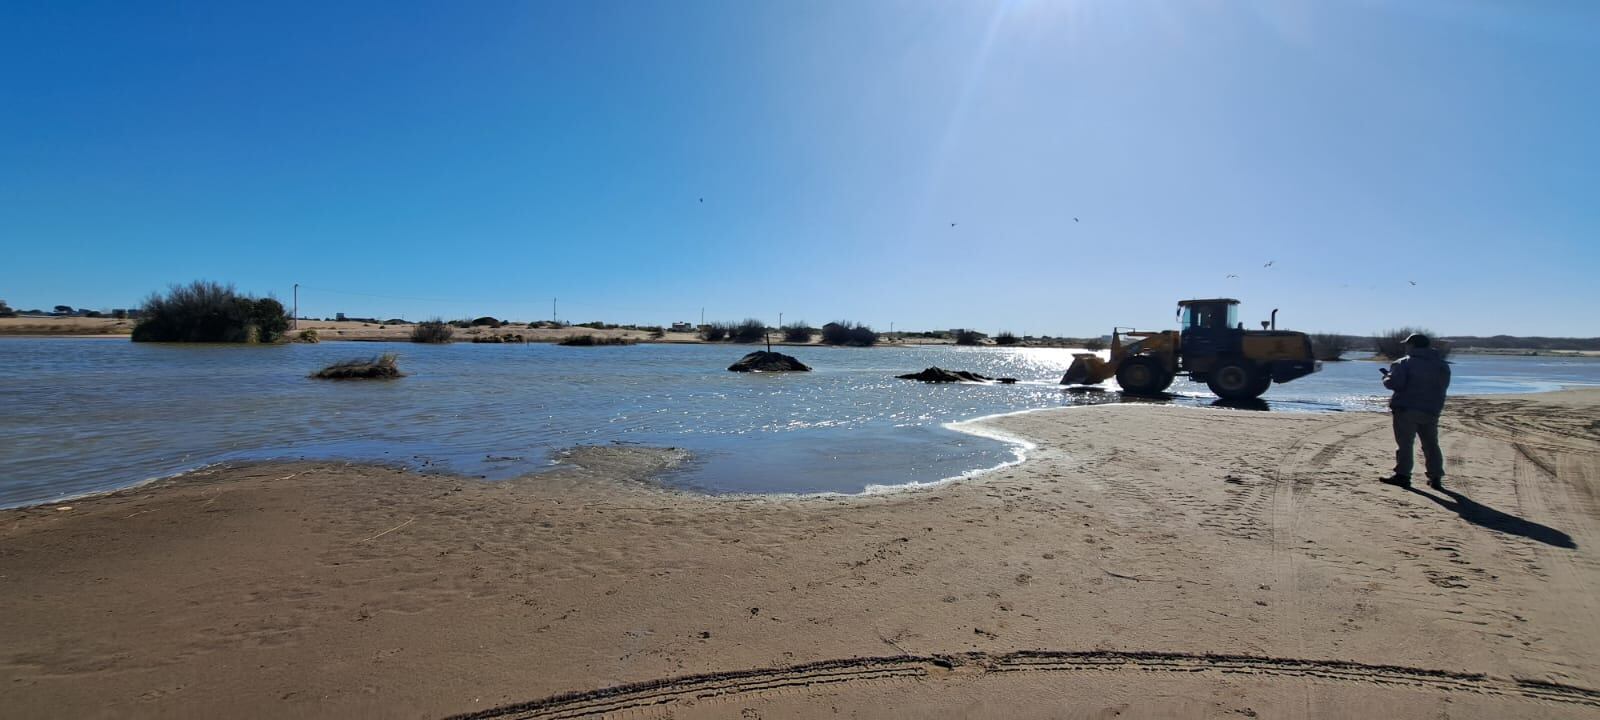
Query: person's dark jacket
[(1419, 381)]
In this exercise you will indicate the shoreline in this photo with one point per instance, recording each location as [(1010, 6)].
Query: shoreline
[(976, 427), (1134, 537), (973, 427)]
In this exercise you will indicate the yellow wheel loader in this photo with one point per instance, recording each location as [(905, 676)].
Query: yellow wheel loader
[(1211, 347)]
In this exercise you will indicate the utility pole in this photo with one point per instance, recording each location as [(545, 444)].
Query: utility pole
[(780, 321), (294, 322), (702, 316), (553, 311)]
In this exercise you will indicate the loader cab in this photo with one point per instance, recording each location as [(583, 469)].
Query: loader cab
[(1222, 314), (1209, 328)]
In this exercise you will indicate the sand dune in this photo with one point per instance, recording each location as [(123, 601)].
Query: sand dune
[(1145, 561)]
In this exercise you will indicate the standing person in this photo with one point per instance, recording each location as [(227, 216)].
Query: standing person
[(1419, 381)]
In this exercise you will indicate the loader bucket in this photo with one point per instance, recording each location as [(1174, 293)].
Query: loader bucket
[(1087, 369)]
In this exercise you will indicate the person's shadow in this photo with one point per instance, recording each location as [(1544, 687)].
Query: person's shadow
[(1485, 516)]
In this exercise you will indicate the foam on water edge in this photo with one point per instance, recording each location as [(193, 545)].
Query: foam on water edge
[(1020, 447)]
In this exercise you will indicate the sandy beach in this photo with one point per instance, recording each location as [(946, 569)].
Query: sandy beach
[(1144, 561)]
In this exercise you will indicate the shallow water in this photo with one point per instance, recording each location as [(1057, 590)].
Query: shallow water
[(86, 415)]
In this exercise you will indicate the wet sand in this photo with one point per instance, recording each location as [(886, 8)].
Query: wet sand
[(1145, 561)]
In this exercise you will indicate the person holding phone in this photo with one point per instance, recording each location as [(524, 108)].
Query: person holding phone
[(1419, 381)]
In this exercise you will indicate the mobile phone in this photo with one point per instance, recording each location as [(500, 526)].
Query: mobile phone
[(1385, 371)]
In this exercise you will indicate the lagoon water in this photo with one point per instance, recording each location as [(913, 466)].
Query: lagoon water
[(81, 415)]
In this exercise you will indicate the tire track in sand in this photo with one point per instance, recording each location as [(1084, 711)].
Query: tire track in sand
[(668, 692), (1285, 512)]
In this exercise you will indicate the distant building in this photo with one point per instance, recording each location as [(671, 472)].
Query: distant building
[(682, 327), (339, 317)]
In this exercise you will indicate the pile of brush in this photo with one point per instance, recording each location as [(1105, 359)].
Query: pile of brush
[(382, 367)]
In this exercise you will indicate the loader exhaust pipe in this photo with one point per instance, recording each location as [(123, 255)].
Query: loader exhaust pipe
[(1274, 318)]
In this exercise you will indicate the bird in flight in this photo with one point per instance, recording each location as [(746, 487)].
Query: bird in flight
[(952, 224), (1413, 283), (1269, 263), (1074, 219), (702, 199), (1231, 275)]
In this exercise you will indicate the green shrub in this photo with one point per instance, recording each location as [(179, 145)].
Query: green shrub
[(204, 311), (502, 339), (798, 333), (1005, 338), (1094, 344), (485, 321), (714, 332), (309, 335), (848, 333), (1325, 346), (432, 331), (588, 340), (748, 331), (969, 337), (1391, 343)]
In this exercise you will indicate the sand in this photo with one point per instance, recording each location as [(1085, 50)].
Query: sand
[(1145, 561)]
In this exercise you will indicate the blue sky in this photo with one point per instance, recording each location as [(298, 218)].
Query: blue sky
[(1098, 160)]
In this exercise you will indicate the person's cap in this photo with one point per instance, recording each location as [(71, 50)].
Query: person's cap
[(1417, 340)]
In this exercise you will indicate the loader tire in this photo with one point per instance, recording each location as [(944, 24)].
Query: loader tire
[(1236, 380), (1142, 375)]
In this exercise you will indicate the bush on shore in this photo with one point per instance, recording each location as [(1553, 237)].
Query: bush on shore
[(1094, 344), (588, 340), (747, 331), (205, 311), (486, 321), (969, 337), (798, 332), (382, 367), (309, 335), (1330, 347), (1006, 337), (1391, 343), (503, 338), (848, 333), (432, 331), (714, 332)]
